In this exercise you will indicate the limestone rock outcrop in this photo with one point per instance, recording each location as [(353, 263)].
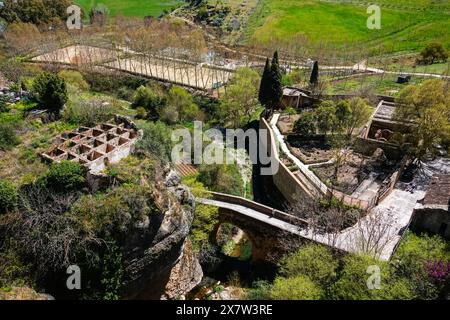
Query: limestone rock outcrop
[(160, 263)]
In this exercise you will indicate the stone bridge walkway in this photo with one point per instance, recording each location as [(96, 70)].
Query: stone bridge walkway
[(378, 233)]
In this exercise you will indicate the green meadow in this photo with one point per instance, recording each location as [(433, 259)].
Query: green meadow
[(405, 25), (131, 8)]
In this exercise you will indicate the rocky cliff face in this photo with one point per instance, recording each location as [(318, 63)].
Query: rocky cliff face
[(160, 263)]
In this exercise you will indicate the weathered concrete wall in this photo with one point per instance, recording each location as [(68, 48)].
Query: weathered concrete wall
[(285, 181)]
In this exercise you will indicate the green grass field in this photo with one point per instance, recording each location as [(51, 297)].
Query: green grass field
[(131, 8), (406, 25)]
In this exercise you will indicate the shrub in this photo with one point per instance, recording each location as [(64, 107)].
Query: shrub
[(140, 113), (88, 112), (314, 261), (180, 107), (74, 78), (222, 178), (352, 284), (3, 101), (51, 91), (260, 290), (114, 214), (8, 137), (297, 288), (8, 196), (413, 258), (306, 124), (434, 52), (156, 141), (64, 176), (146, 98)]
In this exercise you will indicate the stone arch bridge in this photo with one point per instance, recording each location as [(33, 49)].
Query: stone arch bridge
[(270, 231)]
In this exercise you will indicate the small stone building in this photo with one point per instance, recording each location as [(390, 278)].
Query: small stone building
[(95, 147), (296, 98), (432, 214)]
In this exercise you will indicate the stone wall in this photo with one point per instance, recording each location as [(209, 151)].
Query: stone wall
[(432, 219), (285, 181)]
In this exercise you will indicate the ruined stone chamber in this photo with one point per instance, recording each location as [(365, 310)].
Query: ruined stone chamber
[(95, 147)]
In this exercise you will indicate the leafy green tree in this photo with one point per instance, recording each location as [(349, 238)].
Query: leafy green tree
[(180, 106), (314, 78), (240, 100), (264, 85), (434, 52), (275, 92), (313, 261), (75, 79), (34, 11), (360, 112), (50, 90), (326, 116), (343, 114), (306, 124), (8, 196), (427, 105), (64, 176), (296, 288)]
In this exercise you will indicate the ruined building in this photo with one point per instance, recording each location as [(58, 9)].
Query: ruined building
[(95, 147)]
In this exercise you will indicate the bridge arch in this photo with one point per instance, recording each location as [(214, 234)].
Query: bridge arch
[(271, 232)]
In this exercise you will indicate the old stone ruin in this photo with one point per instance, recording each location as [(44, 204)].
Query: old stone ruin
[(95, 147)]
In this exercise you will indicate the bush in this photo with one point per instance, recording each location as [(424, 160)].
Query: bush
[(297, 288), (145, 98), (180, 106), (74, 78), (306, 124), (413, 259), (140, 113), (260, 290), (51, 91), (3, 101), (352, 284), (434, 52), (156, 141), (314, 261), (8, 196), (114, 214), (88, 112), (8, 137), (64, 176), (222, 178)]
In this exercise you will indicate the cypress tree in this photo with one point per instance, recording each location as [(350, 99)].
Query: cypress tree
[(276, 89), (265, 83), (314, 79)]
